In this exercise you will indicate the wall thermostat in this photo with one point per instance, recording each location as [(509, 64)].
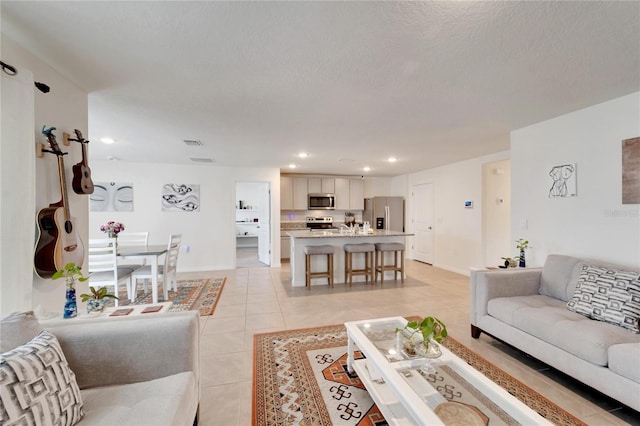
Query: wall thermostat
[(468, 204)]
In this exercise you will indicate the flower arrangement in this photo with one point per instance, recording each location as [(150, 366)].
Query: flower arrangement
[(112, 228)]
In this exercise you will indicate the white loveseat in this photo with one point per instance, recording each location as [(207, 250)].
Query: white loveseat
[(529, 309), (138, 370)]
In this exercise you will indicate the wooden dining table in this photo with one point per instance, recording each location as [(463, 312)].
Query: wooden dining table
[(150, 253)]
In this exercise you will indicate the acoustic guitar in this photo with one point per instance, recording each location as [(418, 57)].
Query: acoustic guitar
[(58, 242), (82, 183)]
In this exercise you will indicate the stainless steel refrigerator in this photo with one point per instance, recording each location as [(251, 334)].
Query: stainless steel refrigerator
[(384, 213)]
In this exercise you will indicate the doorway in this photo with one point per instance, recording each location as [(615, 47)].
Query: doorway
[(496, 212), (253, 224), (423, 222)]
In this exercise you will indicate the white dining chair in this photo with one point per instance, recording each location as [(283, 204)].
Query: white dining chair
[(166, 272), (133, 239), (130, 239), (103, 266)]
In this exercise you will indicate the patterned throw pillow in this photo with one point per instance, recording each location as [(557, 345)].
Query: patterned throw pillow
[(608, 295), (37, 386)]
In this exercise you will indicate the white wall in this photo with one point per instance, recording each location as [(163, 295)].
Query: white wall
[(458, 242), (595, 224), (64, 107), (209, 233)]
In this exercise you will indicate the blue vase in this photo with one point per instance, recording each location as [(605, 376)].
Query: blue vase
[(522, 263), (70, 305)]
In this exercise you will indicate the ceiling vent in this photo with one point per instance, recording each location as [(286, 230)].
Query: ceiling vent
[(202, 160), (192, 142)]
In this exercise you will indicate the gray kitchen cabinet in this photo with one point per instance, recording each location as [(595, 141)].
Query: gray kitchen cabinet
[(321, 185), (356, 194), (285, 247), (328, 185), (300, 191), (342, 193), (314, 185), (286, 193)]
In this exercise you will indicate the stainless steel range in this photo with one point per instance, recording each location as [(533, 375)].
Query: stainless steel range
[(321, 222)]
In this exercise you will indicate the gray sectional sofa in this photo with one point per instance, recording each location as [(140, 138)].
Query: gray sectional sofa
[(549, 313)]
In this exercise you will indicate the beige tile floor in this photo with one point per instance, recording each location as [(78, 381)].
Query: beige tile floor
[(256, 300)]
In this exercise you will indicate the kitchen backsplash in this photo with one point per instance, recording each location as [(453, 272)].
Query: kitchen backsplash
[(298, 219)]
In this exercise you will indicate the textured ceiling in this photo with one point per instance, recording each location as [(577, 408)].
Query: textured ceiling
[(351, 83)]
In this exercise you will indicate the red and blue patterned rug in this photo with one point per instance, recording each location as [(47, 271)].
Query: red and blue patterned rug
[(300, 378), (200, 295)]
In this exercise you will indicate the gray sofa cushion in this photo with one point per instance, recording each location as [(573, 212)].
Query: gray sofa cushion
[(18, 328), (548, 319), (170, 400), (559, 276), (624, 359)]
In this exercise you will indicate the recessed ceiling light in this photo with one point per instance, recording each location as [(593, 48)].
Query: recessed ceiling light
[(392, 159), (366, 168), (292, 166), (107, 140), (303, 155)]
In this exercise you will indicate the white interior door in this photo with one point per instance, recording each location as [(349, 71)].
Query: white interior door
[(264, 225), (423, 222)]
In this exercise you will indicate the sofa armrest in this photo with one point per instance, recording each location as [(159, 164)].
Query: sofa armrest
[(487, 285), (110, 351)]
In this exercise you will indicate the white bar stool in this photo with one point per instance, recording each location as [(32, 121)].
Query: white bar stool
[(315, 250), (349, 272), (381, 249)]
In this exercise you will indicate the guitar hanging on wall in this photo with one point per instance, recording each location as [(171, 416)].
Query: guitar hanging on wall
[(58, 243), (81, 183)]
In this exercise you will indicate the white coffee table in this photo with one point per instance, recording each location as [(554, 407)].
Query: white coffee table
[(402, 387)]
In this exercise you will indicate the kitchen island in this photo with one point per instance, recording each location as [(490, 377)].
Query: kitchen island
[(333, 237)]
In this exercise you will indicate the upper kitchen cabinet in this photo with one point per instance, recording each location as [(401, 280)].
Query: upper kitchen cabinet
[(321, 185), (286, 193), (300, 191), (356, 194), (342, 194)]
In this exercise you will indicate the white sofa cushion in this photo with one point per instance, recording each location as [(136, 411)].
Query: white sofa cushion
[(37, 386), (170, 400)]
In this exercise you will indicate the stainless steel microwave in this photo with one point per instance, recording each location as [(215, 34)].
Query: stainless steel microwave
[(322, 202)]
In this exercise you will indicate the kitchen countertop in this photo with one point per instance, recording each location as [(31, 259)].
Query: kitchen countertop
[(334, 233)]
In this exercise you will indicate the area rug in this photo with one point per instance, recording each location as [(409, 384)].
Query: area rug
[(300, 378), (200, 295)]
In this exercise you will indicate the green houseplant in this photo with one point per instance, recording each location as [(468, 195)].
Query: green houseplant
[(522, 245), (421, 336), (96, 299), (71, 272)]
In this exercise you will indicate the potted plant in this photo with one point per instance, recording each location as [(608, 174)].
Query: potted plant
[(510, 262), (422, 337), (97, 299), (522, 245), (71, 272)]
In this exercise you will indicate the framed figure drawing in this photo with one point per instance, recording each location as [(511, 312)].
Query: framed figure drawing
[(564, 182)]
